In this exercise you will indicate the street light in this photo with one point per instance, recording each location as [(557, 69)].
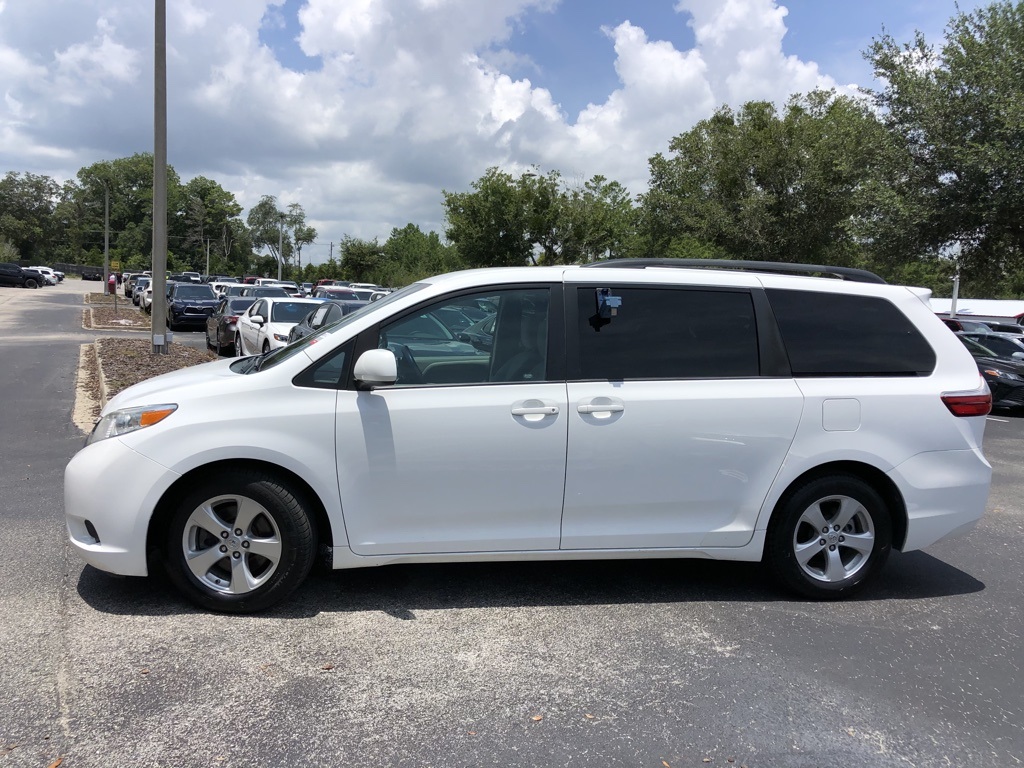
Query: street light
[(280, 245)]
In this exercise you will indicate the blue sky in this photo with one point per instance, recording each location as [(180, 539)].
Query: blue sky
[(364, 111)]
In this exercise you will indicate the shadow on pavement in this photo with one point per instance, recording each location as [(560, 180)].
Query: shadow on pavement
[(402, 590)]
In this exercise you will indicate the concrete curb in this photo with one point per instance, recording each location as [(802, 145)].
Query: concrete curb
[(89, 324), (99, 372)]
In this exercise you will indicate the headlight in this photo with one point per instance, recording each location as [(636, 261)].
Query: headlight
[(279, 337), (1004, 374), (127, 420)]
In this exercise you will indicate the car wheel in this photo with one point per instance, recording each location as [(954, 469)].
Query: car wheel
[(239, 349), (240, 543), (31, 283), (266, 347), (829, 537)]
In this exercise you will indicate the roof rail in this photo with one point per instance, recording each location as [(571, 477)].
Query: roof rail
[(844, 273)]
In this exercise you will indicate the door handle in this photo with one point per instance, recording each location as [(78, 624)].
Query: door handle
[(600, 408), (531, 410)]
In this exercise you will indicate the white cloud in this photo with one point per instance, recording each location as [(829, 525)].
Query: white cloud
[(407, 97)]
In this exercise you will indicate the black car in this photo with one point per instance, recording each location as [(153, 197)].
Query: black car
[(220, 326), (189, 304), (328, 313), (12, 274), (1005, 377)]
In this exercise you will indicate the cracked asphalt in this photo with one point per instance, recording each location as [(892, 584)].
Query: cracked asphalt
[(650, 663)]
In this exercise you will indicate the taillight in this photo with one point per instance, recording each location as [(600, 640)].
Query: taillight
[(969, 404), (231, 318)]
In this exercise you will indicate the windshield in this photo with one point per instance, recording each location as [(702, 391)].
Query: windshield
[(194, 292)]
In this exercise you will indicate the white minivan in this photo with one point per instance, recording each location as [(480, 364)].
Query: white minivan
[(634, 409)]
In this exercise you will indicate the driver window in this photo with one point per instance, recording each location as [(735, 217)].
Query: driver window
[(497, 336)]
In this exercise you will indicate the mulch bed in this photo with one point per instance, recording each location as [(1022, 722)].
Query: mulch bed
[(125, 316), (129, 361)]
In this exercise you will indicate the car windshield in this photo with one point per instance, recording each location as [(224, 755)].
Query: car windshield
[(194, 292)]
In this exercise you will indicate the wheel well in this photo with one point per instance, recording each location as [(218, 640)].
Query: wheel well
[(165, 507), (874, 477)]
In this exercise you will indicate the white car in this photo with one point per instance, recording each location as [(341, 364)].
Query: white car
[(264, 326), (645, 409), (48, 275)]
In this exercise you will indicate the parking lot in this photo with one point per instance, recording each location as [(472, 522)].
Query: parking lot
[(649, 663)]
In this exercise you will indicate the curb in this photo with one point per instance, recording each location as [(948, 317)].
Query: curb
[(99, 372), (89, 324)]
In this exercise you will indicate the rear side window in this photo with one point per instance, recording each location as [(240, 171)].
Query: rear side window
[(834, 334), (667, 333)]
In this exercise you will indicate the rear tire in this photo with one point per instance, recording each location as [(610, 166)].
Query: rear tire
[(829, 537), (240, 543)]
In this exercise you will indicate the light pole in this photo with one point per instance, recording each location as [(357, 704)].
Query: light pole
[(280, 244), (161, 344)]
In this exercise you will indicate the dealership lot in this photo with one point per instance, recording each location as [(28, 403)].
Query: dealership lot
[(608, 663)]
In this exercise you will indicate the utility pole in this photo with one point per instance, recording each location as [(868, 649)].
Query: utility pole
[(956, 293), (161, 344), (280, 244), (207, 258)]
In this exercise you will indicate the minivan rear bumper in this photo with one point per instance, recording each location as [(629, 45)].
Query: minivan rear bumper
[(946, 493)]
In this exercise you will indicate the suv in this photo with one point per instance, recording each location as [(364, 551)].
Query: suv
[(189, 304), (12, 274), (626, 409)]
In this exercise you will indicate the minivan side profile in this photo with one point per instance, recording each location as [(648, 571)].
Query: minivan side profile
[(637, 409)]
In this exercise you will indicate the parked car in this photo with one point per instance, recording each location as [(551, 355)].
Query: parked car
[(639, 409), (337, 292), (221, 325), (264, 291), (265, 325), (14, 275), (92, 274), (189, 304), (49, 276), (328, 313), (1004, 345), (1005, 377), (139, 285)]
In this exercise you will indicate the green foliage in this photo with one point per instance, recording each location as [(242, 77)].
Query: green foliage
[(490, 225), (752, 184), (27, 203), (958, 112), (536, 218), (8, 251)]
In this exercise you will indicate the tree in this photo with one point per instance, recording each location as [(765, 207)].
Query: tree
[(361, 260), (302, 234), (537, 218), (266, 224), (413, 254), (958, 112), (491, 225), (752, 184), (27, 203), (208, 208)]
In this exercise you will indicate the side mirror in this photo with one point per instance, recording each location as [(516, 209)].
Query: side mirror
[(257, 320), (376, 367), (1018, 355)]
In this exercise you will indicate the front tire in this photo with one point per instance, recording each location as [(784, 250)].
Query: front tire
[(31, 283), (829, 537), (240, 543)]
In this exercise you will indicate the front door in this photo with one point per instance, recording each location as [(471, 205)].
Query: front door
[(466, 453)]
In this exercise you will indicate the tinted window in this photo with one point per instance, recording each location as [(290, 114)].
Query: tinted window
[(834, 334), (289, 311), (661, 333)]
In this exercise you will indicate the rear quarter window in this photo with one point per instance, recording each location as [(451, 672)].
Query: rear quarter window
[(830, 334)]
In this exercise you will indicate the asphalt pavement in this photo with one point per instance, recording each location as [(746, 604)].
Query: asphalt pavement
[(650, 663)]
